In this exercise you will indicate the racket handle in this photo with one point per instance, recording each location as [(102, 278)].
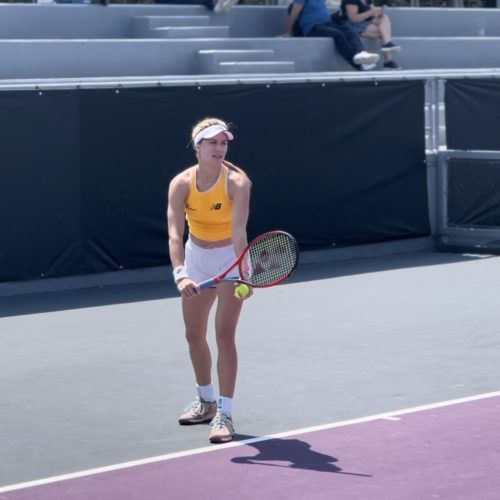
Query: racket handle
[(207, 283)]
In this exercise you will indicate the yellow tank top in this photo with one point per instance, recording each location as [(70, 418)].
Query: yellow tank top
[(209, 213)]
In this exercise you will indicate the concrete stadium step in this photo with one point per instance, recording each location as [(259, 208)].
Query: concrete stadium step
[(209, 59), (180, 32), (247, 67), (148, 57), (438, 22), (448, 52), (142, 25)]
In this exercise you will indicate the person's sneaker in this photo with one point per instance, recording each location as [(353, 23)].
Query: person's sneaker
[(224, 5), (198, 411), (367, 67), (222, 429), (390, 47), (365, 58), (392, 65)]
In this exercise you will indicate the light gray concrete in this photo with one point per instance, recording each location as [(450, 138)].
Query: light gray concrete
[(241, 67), (98, 376), (33, 21), (94, 58), (435, 22), (181, 32), (39, 21), (147, 23), (455, 52), (209, 60), (80, 41)]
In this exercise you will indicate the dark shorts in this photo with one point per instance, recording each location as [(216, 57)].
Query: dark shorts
[(361, 27)]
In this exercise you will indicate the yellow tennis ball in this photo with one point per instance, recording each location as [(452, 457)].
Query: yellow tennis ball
[(241, 291)]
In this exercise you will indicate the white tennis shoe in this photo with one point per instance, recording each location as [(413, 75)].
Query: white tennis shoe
[(222, 429), (364, 57), (198, 412)]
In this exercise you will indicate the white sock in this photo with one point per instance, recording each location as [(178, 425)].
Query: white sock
[(206, 392), (225, 405)]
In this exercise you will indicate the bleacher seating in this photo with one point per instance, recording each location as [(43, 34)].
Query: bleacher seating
[(124, 40)]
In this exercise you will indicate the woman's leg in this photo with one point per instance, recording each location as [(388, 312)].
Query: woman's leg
[(226, 321), (384, 26), (374, 31), (195, 311)]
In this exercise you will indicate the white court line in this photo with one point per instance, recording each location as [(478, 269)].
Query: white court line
[(389, 415)]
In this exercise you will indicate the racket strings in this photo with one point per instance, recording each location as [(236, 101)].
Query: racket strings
[(272, 259)]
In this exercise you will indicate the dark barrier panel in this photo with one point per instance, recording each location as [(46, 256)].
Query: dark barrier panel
[(472, 117), (474, 193), (40, 232), (87, 170)]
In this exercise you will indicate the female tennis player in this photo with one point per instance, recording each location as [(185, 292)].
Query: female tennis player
[(213, 197)]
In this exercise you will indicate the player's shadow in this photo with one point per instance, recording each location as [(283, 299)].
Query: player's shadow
[(290, 453)]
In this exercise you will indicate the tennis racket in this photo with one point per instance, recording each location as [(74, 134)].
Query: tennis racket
[(267, 260)]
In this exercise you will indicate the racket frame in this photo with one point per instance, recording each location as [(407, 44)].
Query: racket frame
[(212, 282)]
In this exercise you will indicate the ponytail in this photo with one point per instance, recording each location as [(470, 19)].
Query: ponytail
[(234, 168)]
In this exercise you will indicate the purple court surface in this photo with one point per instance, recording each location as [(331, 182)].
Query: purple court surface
[(449, 451)]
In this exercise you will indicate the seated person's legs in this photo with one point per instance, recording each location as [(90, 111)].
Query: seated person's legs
[(381, 28), (348, 44)]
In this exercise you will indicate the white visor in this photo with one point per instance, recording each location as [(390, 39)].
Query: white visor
[(212, 131)]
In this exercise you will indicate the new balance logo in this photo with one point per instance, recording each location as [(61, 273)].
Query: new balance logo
[(216, 206)]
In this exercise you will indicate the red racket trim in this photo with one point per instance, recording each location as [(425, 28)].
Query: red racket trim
[(267, 260)]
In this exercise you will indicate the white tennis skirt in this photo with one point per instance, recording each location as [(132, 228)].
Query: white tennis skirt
[(205, 263)]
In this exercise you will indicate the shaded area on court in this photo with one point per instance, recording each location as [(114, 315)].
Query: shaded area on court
[(162, 287)]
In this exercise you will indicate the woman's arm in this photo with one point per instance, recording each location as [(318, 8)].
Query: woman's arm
[(294, 14), (239, 191), (177, 194), (352, 13)]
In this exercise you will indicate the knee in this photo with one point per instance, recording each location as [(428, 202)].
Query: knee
[(225, 340), (195, 338)]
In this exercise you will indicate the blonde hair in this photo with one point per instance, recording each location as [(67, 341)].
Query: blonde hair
[(208, 122)]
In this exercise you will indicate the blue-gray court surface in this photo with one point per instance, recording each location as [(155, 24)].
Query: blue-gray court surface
[(363, 378)]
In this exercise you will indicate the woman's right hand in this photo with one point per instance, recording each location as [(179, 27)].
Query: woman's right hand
[(188, 288), (377, 11)]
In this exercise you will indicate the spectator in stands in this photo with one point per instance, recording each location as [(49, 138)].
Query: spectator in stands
[(371, 22), (217, 6), (314, 20)]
